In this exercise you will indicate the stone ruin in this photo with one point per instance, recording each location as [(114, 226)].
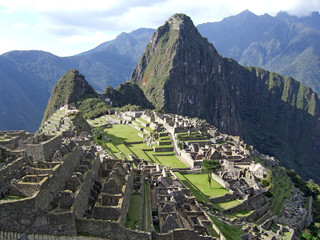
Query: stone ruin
[(173, 205)]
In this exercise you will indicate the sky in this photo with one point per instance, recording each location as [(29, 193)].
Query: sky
[(69, 27)]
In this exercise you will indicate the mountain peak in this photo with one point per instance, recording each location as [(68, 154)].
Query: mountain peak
[(70, 87), (179, 20)]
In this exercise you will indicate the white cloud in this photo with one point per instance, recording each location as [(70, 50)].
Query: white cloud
[(94, 21), (98, 37), (20, 25)]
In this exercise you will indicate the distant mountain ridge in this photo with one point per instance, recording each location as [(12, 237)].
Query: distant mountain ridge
[(110, 63), (285, 44), (23, 97)]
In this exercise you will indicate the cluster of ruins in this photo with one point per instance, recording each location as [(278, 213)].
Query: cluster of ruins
[(62, 187), (64, 184)]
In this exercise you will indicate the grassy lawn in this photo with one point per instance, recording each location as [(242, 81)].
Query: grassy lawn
[(146, 128), (199, 186), (230, 232), (287, 236), (134, 211), (241, 214), (212, 231), (170, 161), (142, 120), (136, 150), (226, 205), (122, 133)]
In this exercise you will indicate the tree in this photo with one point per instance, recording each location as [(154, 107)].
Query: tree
[(209, 167)]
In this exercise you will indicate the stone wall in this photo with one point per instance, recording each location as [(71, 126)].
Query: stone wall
[(243, 206), (187, 157), (15, 215), (220, 180), (252, 203), (258, 213), (61, 224), (227, 197), (80, 205), (126, 199), (15, 137), (183, 234), (110, 230), (142, 202), (44, 150), (59, 178), (163, 149), (31, 214), (14, 170)]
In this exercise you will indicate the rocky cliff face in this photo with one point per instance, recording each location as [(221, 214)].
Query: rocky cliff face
[(70, 87), (126, 93), (181, 72)]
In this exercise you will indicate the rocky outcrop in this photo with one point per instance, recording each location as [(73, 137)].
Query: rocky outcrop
[(126, 93), (181, 72)]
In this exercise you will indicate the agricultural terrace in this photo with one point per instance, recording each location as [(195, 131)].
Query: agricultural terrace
[(125, 141), (281, 189), (230, 232), (198, 185)]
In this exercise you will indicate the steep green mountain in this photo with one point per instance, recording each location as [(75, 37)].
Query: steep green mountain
[(19, 89), (181, 72), (71, 87), (285, 44), (126, 93)]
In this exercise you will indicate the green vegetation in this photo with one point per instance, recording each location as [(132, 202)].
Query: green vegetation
[(134, 211), (171, 161), (71, 87), (281, 190), (230, 232), (198, 186), (92, 107), (125, 141), (241, 214), (185, 136), (209, 167), (212, 231), (127, 93), (226, 205), (11, 197), (310, 189)]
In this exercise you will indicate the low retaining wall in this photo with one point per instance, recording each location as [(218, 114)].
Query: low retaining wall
[(110, 230), (219, 180), (179, 234), (258, 213), (163, 149), (227, 197), (10, 172)]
